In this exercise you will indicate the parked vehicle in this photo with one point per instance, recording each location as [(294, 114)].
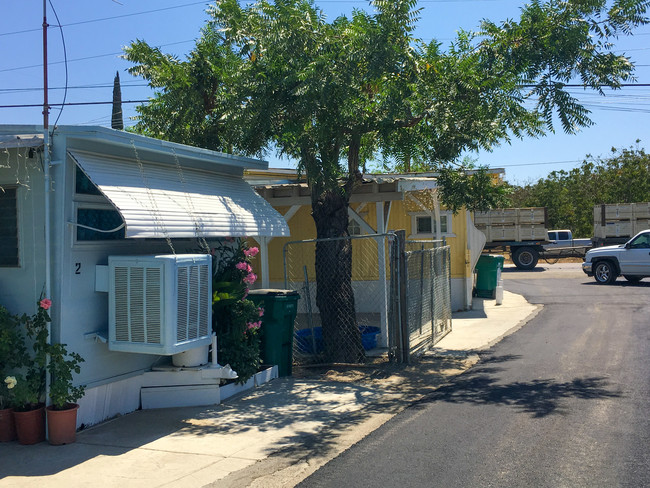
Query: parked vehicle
[(617, 223), (520, 231), (563, 245), (564, 239), (631, 260)]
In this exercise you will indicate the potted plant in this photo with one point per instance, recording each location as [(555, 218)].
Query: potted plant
[(62, 413), (7, 426), (13, 355), (29, 409)]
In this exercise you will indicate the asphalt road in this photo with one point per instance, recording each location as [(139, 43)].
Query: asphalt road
[(563, 402)]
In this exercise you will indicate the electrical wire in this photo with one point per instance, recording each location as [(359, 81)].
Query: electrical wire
[(9, 91), (70, 104), (88, 57), (106, 18)]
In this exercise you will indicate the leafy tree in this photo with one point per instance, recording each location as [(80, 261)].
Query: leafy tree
[(336, 95), (471, 189), (570, 196)]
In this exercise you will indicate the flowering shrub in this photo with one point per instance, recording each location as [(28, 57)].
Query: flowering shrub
[(236, 320)]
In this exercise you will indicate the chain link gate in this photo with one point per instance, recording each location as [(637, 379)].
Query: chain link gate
[(428, 297), (400, 295)]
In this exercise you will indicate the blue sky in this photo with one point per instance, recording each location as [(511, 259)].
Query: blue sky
[(96, 30)]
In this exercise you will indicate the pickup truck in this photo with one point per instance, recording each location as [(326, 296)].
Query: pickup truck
[(632, 260), (564, 239)]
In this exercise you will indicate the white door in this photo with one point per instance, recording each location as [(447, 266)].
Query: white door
[(635, 259)]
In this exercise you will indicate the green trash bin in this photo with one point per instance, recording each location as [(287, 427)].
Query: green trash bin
[(276, 335), (488, 273)]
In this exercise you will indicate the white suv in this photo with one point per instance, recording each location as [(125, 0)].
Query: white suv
[(632, 260)]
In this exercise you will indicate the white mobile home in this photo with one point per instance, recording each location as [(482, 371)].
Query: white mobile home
[(87, 199)]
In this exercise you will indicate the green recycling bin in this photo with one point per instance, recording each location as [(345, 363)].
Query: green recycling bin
[(276, 335), (488, 273)]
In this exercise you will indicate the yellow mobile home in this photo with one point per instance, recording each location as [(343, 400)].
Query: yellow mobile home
[(382, 203)]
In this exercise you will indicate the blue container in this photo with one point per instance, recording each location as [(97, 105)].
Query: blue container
[(306, 342), (369, 336)]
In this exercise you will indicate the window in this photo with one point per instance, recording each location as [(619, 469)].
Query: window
[(98, 218), (424, 225), (354, 229), (83, 185), (94, 213), (8, 227), (641, 242)]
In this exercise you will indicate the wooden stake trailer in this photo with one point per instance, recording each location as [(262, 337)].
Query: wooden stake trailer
[(520, 231)]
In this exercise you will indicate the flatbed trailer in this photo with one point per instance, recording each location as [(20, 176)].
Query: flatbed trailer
[(525, 254)]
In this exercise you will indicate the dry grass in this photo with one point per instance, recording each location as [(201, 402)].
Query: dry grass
[(411, 380)]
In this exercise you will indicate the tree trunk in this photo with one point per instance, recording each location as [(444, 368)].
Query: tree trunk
[(335, 297)]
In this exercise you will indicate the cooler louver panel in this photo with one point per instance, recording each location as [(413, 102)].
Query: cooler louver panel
[(153, 316), (159, 304), (183, 299)]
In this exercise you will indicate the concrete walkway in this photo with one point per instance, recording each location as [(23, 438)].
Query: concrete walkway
[(274, 435)]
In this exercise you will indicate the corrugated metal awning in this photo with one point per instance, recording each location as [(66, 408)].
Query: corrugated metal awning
[(167, 201)]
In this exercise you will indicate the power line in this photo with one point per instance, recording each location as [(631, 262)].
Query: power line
[(540, 164), (78, 87), (87, 57), (106, 18), (31, 105)]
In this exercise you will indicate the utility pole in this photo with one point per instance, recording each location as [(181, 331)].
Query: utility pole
[(46, 106), (47, 184)]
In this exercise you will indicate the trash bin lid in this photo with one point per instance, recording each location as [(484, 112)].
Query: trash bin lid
[(272, 292)]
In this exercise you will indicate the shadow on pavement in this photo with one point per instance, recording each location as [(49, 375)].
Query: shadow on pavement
[(515, 270), (290, 417), (540, 397), (619, 283)]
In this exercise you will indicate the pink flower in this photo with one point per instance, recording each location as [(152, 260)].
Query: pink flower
[(243, 266), (245, 293), (45, 303), (261, 311), (254, 325), (250, 278), (252, 252)]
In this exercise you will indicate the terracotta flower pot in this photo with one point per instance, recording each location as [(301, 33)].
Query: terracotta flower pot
[(62, 425), (30, 425), (7, 426)]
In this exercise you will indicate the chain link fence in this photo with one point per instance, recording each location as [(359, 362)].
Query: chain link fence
[(428, 297), (348, 321), (378, 312)]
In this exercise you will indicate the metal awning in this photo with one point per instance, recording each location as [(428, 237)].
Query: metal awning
[(170, 201)]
